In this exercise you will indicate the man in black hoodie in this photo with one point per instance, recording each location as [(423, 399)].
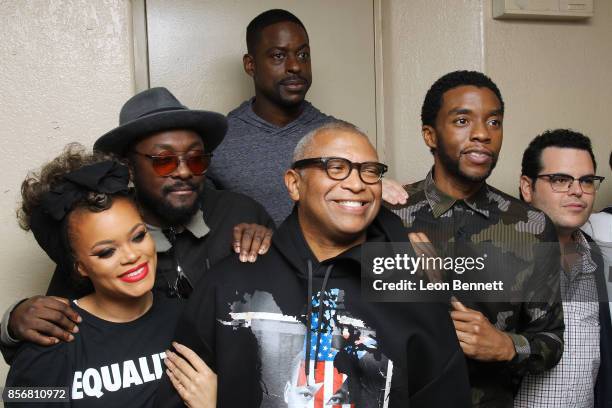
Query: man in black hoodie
[(293, 327)]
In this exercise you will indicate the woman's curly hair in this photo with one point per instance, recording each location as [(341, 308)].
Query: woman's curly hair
[(51, 174)]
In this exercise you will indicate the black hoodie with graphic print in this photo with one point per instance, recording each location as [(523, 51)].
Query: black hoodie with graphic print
[(248, 322)]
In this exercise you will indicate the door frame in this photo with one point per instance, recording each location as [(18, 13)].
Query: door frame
[(141, 63)]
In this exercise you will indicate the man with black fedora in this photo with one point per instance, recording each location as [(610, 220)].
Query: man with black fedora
[(168, 148)]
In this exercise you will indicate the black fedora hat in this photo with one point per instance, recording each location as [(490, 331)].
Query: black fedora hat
[(156, 110)]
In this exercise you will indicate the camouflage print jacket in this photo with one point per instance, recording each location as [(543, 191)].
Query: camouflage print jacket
[(490, 215)]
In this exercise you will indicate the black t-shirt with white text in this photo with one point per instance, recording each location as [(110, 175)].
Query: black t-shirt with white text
[(107, 364)]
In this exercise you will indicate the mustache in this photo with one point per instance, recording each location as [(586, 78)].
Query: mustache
[(185, 185)]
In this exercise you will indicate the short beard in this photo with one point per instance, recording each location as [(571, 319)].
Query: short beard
[(452, 165), (170, 214)]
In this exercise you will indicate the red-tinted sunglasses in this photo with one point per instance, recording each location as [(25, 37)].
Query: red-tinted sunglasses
[(166, 163)]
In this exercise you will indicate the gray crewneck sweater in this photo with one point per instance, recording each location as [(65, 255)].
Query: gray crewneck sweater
[(254, 155)]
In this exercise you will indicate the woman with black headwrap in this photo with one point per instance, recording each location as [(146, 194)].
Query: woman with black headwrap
[(81, 214)]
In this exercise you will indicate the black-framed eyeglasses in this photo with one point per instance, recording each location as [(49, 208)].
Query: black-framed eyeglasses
[(561, 183), (181, 287), (339, 168), (165, 164)]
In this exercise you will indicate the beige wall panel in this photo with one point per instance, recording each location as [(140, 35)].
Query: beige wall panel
[(66, 70), (552, 75), (196, 48), (422, 40)]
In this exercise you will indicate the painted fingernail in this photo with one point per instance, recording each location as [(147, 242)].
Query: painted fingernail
[(252, 258), (75, 329)]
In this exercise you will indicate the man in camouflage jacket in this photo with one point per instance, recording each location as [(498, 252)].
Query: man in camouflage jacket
[(503, 340)]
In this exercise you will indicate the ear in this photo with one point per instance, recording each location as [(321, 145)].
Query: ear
[(526, 187), (80, 270), (292, 182), (430, 137), (248, 62)]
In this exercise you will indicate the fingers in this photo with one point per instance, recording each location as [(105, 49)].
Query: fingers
[(35, 337), (466, 327), (467, 349), (177, 384), (44, 320), (467, 338), (178, 375), (267, 241), (192, 358), (237, 236), (186, 392), (180, 367), (469, 316), (256, 242), (251, 240), (457, 305), (243, 235), (59, 318), (393, 192), (48, 329), (418, 237), (248, 234), (199, 391), (421, 244)]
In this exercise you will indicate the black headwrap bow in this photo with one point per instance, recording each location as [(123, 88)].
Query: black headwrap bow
[(47, 220)]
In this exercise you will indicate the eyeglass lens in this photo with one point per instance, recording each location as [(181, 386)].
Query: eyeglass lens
[(197, 163), (339, 169), (563, 184)]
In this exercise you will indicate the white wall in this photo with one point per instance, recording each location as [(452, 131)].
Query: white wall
[(422, 40), (65, 71), (196, 49), (551, 74)]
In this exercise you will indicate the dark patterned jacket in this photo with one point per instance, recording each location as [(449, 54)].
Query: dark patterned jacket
[(536, 327)]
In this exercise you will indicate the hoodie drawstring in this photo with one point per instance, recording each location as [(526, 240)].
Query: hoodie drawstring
[(308, 319), (309, 316)]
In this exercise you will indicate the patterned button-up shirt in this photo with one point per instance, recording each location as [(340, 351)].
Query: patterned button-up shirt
[(493, 216), (571, 383)]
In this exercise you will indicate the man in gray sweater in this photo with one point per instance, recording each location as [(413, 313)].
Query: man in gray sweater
[(264, 130)]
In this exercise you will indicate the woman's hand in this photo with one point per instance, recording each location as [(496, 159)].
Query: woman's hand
[(194, 381)]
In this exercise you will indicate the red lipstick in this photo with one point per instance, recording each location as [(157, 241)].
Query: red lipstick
[(135, 274)]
